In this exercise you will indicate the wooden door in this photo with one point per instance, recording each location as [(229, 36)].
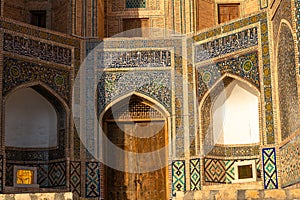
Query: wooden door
[(136, 186)]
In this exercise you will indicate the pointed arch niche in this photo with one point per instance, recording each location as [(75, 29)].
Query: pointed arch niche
[(30, 120), (230, 114), (35, 124)]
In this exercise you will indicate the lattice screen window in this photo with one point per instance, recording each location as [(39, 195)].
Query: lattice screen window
[(135, 3)]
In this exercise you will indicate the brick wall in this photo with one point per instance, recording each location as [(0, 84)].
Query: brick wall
[(205, 14), (60, 16), (15, 9)]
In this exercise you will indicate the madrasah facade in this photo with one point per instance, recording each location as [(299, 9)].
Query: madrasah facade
[(150, 99)]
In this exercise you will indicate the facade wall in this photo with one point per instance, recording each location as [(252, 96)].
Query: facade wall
[(186, 75)]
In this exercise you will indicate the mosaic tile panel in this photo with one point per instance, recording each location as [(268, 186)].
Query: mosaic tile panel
[(269, 168), (92, 181), (135, 3), (269, 137), (195, 174), (116, 84), (36, 49), (290, 165), (245, 66), (178, 176), (235, 151), (75, 179), (227, 44), (17, 72), (287, 83), (134, 59), (214, 170), (57, 174)]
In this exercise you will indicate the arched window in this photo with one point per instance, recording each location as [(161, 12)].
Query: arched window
[(235, 115), (30, 120)]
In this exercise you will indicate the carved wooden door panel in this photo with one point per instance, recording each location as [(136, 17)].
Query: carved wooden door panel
[(147, 185)]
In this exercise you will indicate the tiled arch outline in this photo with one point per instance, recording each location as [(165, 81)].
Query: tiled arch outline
[(164, 112), (201, 136)]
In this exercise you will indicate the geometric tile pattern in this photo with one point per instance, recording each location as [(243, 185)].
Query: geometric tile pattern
[(42, 175), (178, 176), (269, 168), (195, 174), (229, 164), (57, 174), (290, 165), (75, 183), (214, 170), (135, 3), (92, 183)]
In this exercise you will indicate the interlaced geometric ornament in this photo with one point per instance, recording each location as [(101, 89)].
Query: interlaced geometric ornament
[(270, 169), (178, 176), (195, 174), (135, 3), (92, 184)]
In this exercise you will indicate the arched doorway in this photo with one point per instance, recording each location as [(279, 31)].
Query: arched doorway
[(138, 126)]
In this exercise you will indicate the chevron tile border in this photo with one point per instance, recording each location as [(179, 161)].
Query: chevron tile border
[(57, 174), (178, 176), (269, 168), (195, 174), (214, 170), (75, 183)]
